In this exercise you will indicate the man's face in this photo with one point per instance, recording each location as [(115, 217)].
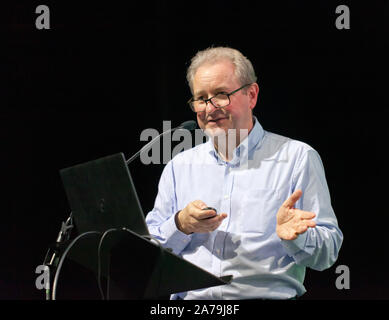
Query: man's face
[(211, 79)]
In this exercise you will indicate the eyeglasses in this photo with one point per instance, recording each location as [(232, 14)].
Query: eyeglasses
[(221, 100)]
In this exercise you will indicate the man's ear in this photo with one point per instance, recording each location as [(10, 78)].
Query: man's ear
[(253, 93)]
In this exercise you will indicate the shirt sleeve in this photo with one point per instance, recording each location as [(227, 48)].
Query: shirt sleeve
[(161, 220), (318, 247)]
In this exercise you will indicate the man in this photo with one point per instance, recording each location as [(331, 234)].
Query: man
[(274, 216)]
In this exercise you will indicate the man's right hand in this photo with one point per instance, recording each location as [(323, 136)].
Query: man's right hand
[(194, 219)]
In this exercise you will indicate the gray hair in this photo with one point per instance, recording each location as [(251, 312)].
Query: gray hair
[(244, 70)]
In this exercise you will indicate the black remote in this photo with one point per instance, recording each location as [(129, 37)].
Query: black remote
[(210, 208)]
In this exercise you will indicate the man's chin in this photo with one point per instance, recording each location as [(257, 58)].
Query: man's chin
[(214, 131)]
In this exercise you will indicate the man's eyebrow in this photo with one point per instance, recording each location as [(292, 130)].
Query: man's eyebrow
[(199, 93), (218, 89)]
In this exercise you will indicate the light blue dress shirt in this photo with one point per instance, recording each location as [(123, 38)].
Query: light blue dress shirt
[(265, 170)]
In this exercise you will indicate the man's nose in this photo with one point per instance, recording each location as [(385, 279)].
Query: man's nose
[(209, 108)]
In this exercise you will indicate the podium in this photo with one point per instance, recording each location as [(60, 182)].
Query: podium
[(138, 268), (103, 199)]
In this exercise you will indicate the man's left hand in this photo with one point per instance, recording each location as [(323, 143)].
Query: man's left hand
[(292, 222)]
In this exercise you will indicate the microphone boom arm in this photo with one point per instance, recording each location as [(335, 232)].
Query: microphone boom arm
[(148, 145), (188, 125)]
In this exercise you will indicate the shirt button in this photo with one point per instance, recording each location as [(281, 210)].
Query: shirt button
[(226, 196)]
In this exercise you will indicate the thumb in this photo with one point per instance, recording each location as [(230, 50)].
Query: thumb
[(291, 201)]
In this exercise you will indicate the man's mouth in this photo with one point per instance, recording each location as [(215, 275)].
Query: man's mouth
[(217, 120)]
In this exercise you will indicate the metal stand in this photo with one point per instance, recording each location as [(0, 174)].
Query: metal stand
[(56, 249)]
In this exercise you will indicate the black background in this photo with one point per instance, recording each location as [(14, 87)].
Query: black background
[(105, 71)]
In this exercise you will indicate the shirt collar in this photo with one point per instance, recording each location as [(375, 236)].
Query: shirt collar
[(246, 147)]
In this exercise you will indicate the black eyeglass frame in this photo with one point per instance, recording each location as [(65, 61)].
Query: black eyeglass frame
[(191, 100)]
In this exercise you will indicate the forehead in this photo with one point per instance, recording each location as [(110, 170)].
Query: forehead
[(212, 76)]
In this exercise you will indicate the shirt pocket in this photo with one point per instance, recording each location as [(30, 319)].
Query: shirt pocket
[(258, 212)]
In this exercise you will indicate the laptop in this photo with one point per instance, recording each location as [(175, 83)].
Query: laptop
[(102, 195)]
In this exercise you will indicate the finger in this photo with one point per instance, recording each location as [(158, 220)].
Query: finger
[(210, 208), (291, 201), (219, 218), (212, 223), (222, 216), (311, 224), (196, 210), (204, 214), (303, 227), (303, 214), (215, 219)]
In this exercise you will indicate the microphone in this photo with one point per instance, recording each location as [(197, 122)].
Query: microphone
[(188, 125)]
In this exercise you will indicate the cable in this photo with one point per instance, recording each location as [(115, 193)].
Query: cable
[(99, 262), (150, 237), (55, 282)]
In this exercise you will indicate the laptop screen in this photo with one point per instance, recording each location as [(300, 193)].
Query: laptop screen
[(102, 195)]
